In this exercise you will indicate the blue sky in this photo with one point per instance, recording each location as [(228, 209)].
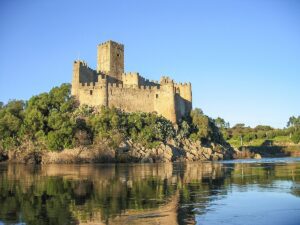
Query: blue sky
[(242, 57)]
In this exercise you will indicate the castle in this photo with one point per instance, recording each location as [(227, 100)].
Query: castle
[(110, 86)]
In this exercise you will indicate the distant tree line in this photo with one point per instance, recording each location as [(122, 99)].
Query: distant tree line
[(240, 132)]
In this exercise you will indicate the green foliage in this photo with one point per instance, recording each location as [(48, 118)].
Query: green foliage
[(239, 126), (84, 111), (204, 128), (249, 137), (263, 128), (261, 133), (294, 122), (221, 123), (34, 121), (60, 139), (296, 137), (46, 118), (11, 116), (184, 130), (145, 128)]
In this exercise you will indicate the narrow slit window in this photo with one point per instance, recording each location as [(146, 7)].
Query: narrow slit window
[(156, 95), (91, 92)]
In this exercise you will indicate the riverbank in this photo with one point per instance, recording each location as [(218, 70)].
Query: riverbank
[(277, 147), (130, 152), (126, 152), (273, 151)]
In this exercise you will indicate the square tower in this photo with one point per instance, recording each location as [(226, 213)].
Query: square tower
[(110, 59)]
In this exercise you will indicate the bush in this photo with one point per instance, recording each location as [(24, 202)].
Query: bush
[(204, 128), (145, 128), (249, 137), (184, 130), (296, 137)]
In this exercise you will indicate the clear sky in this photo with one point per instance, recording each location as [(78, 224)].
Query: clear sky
[(241, 56)]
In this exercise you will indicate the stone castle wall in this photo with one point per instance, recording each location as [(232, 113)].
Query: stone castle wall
[(128, 91), (131, 99)]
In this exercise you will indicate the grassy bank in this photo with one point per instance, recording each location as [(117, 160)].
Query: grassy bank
[(278, 146)]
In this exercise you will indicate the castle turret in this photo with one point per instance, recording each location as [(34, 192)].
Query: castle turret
[(75, 79), (165, 100), (82, 74), (110, 59)]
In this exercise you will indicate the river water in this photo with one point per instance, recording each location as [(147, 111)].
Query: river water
[(256, 192)]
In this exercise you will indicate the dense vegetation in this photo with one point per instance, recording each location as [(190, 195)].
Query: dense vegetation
[(55, 121), (240, 134)]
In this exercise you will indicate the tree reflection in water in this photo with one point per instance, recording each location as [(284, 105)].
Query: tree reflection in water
[(129, 193)]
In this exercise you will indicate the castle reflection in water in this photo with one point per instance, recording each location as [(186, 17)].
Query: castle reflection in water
[(128, 193)]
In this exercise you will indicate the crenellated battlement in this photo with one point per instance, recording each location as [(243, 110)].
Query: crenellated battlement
[(166, 80), (110, 86), (131, 74), (82, 63), (183, 85), (115, 85), (141, 87), (112, 43)]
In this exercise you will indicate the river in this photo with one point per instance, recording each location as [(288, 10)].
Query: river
[(256, 192)]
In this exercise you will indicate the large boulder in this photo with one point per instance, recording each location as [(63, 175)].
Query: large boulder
[(257, 156)]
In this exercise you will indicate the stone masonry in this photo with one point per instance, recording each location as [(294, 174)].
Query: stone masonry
[(110, 86)]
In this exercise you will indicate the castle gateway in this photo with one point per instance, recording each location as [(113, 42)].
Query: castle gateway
[(110, 86)]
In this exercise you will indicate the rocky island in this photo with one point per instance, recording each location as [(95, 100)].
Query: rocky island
[(107, 115), (53, 128)]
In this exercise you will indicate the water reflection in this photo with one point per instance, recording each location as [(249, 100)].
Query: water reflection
[(143, 193)]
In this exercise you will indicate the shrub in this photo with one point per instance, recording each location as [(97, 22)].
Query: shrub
[(296, 137), (204, 128), (145, 128)]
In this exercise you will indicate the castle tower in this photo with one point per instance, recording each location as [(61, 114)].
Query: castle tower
[(110, 59)]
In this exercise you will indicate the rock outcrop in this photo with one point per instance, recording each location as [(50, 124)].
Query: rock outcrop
[(127, 152), (186, 150)]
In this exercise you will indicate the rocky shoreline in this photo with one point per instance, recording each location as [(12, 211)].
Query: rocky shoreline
[(187, 150), (126, 152)]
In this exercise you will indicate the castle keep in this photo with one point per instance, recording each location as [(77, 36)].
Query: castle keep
[(110, 86)]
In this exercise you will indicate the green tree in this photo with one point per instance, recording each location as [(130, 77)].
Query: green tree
[(263, 128), (221, 123), (11, 116), (296, 137), (184, 130), (49, 118), (294, 122), (204, 127)]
